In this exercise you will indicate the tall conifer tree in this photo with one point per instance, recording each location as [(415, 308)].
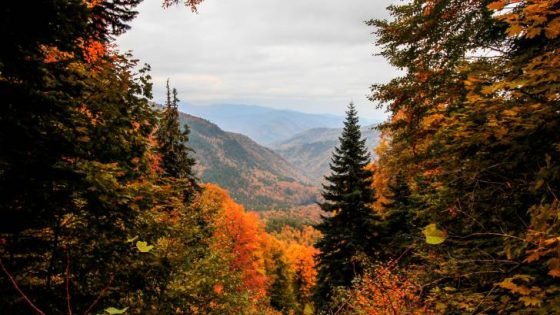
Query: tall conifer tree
[(175, 154), (348, 234)]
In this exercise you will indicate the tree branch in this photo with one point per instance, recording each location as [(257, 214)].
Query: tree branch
[(100, 295), (16, 286), (68, 300)]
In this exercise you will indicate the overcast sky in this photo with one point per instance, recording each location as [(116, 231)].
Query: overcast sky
[(306, 55)]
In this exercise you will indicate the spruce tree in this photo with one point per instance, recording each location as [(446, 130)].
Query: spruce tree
[(349, 232), (175, 154)]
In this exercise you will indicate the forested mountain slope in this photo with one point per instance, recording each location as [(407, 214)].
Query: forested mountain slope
[(254, 175), (311, 150)]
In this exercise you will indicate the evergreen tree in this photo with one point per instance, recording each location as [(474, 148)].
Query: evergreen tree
[(349, 233), (72, 195), (76, 176), (175, 154)]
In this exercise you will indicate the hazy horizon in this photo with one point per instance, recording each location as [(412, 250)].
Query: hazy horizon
[(311, 56)]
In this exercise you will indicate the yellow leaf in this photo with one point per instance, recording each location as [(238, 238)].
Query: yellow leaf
[(434, 236), (143, 247), (115, 311)]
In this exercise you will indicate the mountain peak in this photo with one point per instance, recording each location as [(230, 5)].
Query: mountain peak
[(263, 124)]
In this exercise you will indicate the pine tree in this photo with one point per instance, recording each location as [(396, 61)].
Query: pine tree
[(175, 154), (349, 233)]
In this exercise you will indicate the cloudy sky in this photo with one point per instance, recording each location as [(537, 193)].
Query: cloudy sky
[(306, 55)]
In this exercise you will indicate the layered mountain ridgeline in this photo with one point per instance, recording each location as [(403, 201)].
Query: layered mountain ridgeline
[(254, 175), (311, 150), (262, 124)]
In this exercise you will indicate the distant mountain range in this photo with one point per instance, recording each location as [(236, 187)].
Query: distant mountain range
[(262, 124), (311, 150), (285, 174), (254, 175)]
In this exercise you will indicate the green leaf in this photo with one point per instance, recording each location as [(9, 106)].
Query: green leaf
[(113, 310), (130, 240), (433, 235), (143, 247)]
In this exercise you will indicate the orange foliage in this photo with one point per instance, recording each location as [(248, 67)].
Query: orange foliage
[(381, 185), (93, 3), (381, 176), (301, 259), (239, 235), (252, 252), (297, 246), (218, 288), (383, 291), (53, 54), (92, 50)]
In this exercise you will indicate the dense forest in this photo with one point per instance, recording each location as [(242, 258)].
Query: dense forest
[(103, 211)]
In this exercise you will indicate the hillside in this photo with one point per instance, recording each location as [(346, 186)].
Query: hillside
[(311, 150), (254, 175), (262, 124)]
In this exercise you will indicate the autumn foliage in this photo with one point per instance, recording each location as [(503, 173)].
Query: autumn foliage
[(239, 235), (381, 290), (472, 143), (255, 255)]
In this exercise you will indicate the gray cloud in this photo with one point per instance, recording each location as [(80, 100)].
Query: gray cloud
[(307, 55)]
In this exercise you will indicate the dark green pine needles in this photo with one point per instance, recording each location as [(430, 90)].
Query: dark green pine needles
[(176, 158), (349, 232)]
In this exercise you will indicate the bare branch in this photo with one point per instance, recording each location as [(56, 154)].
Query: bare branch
[(16, 286)]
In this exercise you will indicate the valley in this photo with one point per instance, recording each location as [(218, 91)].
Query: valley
[(311, 150), (283, 174), (264, 125)]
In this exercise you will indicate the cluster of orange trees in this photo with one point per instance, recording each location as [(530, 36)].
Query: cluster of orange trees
[(276, 270)]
